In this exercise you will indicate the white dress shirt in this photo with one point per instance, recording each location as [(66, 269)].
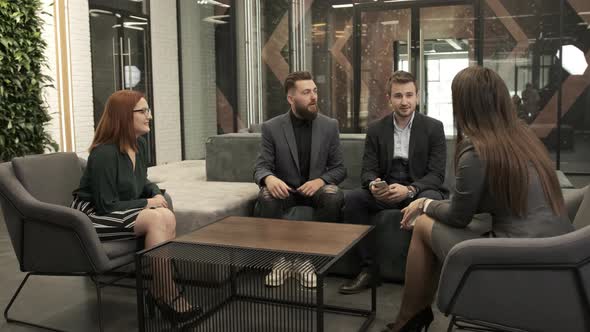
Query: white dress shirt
[(401, 139)]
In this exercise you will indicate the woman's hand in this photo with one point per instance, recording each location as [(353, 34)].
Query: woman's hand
[(411, 212), (157, 201)]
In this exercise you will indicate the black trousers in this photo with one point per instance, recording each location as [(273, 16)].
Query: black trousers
[(327, 203), (360, 205)]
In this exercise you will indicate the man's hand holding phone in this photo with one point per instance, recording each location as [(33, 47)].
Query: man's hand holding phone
[(379, 189)]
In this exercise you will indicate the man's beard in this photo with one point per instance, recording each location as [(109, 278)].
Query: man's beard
[(305, 112)]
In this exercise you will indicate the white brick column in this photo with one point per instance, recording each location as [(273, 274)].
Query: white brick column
[(81, 73), (75, 76), (166, 103), (199, 77), (50, 95)]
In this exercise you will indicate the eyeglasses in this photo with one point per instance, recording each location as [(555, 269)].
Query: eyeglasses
[(146, 111)]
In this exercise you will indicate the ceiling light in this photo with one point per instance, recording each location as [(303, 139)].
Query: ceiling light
[(138, 18), (212, 2), (100, 11), (394, 22), (574, 60), (347, 5), (134, 23)]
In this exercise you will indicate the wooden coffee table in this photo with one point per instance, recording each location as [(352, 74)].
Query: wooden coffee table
[(222, 268)]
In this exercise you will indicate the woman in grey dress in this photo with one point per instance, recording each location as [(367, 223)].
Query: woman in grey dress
[(502, 169)]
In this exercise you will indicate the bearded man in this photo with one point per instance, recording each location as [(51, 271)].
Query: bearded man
[(300, 160)]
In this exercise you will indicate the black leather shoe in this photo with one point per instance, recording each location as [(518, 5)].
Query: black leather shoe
[(420, 321), (363, 281)]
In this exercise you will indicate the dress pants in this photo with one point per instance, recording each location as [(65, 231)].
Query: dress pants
[(327, 203), (360, 205)]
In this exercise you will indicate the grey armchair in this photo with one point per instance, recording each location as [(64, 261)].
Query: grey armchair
[(505, 284), (48, 237)]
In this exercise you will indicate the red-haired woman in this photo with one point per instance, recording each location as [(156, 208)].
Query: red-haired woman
[(502, 169), (117, 196)]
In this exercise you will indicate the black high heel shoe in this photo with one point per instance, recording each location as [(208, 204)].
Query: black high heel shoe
[(168, 311), (421, 320)]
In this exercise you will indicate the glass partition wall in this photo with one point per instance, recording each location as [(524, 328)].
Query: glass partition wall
[(523, 41), (421, 38), (120, 44), (540, 48), (207, 56)]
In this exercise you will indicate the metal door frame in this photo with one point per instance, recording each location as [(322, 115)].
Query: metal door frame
[(415, 6)]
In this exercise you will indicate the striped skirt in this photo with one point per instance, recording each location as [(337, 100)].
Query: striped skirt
[(111, 226)]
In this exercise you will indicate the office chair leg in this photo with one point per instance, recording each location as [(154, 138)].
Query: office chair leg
[(464, 324), (14, 298), (451, 324), (7, 309), (99, 302)]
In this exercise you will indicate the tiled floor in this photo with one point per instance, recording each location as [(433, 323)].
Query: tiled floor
[(69, 303)]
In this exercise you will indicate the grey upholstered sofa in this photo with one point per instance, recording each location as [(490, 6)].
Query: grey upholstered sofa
[(231, 157)]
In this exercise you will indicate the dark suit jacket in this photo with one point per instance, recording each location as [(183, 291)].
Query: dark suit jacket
[(278, 152), (427, 154)]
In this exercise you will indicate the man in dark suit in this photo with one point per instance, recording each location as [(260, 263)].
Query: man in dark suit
[(300, 160), (405, 149)]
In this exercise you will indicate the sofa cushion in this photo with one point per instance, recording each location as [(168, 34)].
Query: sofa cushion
[(231, 157), (582, 218), (353, 147), (197, 202), (564, 182), (573, 198)]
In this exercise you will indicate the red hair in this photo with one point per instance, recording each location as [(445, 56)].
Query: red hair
[(116, 123)]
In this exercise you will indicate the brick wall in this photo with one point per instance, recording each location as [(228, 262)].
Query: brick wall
[(50, 94), (80, 70), (81, 74), (166, 103)]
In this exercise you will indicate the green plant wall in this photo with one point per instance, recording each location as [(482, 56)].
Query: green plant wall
[(23, 113)]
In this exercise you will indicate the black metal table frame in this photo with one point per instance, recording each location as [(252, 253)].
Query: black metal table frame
[(320, 306)]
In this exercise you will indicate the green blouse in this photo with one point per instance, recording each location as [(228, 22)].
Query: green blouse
[(110, 182)]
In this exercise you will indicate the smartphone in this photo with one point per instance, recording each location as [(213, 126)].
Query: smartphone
[(380, 184)]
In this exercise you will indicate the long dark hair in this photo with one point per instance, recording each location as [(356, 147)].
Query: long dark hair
[(484, 113), (116, 123)]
